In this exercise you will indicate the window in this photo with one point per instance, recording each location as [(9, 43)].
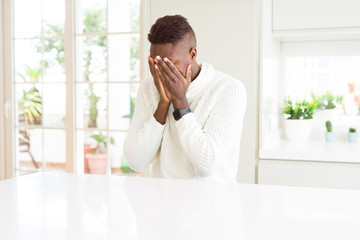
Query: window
[(310, 70), (107, 69)]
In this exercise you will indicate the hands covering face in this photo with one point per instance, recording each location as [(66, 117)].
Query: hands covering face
[(170, 83)]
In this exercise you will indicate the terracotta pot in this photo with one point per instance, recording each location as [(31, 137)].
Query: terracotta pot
[(97, 162), (88, 149)]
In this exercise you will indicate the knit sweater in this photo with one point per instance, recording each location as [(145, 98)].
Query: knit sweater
[(203, 144)]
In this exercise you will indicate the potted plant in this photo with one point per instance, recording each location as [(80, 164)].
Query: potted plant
[(30, 107), (96, 159), (325, 105), (299, 121), (30, 103), (329, 134), (352, 135)]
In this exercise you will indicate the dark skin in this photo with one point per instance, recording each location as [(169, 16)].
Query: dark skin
[(173, 67)]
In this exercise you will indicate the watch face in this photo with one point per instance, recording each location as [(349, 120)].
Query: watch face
[(178, 113)]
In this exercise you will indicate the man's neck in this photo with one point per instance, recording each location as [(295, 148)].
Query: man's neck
[(195, 70)]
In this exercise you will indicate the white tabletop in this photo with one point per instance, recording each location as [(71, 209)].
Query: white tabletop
[(68, 206)]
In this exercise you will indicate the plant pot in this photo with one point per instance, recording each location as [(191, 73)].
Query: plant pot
[(298, 130), (329, 136), (352, 137), (320, 117), (97, 163), (88, 149)]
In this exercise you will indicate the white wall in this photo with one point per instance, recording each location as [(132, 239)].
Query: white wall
[(228, 37)]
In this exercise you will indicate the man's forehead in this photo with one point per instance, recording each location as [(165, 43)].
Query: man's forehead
[(163, 50)]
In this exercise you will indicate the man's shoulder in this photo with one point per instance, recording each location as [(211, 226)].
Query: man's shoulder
[(226, 82)]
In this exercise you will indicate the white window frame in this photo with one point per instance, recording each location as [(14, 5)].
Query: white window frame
[(2, 106), (8, 89), (7, 141)]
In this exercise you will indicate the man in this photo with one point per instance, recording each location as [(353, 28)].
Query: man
[(188, 117)]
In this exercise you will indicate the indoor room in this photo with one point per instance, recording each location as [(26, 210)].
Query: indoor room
[(164, 119)]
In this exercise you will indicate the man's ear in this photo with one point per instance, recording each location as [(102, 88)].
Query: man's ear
[(193, 54)]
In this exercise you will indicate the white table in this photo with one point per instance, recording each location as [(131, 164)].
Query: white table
[(68, 206)]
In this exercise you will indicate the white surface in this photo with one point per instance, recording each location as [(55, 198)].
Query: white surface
[(338, 151), (228, 38), (68, 206), (309, 174), (318, 14)]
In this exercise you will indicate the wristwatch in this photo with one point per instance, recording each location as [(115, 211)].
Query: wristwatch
[(178, 113)]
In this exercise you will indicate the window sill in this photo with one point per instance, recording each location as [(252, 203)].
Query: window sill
[(313, 150)]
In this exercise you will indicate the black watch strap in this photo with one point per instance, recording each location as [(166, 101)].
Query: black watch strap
[(178, 113)]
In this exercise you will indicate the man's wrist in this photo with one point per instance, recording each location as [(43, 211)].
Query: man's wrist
[(180, 104), (163, 104)]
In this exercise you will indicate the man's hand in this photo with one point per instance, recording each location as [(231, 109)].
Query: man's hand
[(163, 97), (174, 83)]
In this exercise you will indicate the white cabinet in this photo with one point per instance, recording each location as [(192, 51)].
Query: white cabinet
[(316, 19), (309, 174), (315, 14)]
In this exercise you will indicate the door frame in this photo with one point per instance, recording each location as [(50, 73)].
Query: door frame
[(7, 137)]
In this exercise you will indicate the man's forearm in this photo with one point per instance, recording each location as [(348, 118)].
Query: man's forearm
[(161, 112)]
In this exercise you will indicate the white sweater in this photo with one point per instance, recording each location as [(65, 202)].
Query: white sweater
[(203, 144)]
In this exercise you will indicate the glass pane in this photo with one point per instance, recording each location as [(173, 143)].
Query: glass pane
[(29, 102), (54, 96), (124, 15), (28, 61), (119, 165), (91, 16), (92, 147), (54, 149), (91, 59), (121, 105), (91, 104), (54, 64), (27, 18), (53, 17), (29, 148), (124, 60)]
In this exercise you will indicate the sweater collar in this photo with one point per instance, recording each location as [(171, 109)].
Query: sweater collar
[(206, 72)]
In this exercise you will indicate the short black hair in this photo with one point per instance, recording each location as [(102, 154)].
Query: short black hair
[(169, 29)]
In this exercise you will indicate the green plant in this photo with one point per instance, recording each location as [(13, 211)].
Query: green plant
[(298, 110), (101, 141), (326, 100), (328, 126), (31, 104), (31, 74), (352, 130)]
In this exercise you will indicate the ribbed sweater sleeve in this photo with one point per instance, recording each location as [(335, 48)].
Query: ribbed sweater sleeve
[(205, 146), (144, 135)]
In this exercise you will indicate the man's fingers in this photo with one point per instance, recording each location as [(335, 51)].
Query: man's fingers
[(173, 69), (159, 74), (165, 69), (151, 64)]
